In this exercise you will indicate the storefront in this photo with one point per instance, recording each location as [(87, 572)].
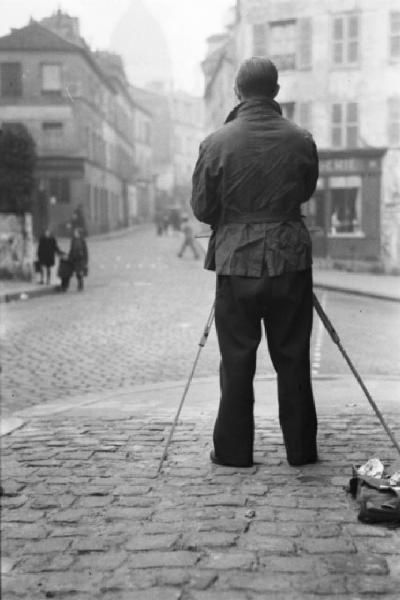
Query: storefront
[(344, 214)]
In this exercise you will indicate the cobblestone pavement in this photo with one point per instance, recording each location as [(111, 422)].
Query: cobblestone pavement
[(85, 515), (140, 320)]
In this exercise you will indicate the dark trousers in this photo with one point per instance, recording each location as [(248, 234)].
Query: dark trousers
[(284, 304), (189, 243)]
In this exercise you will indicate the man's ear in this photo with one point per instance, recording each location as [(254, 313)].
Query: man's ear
[(276, 92)]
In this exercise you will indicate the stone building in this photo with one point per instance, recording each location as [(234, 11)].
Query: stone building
[(187, 113), (219, 68), (81, 117), (339, 69), (178, 128)]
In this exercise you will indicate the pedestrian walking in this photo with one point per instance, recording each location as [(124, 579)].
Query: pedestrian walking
[(78, 221), (251, 177), (189, 239), (78, 257), (46, 253)]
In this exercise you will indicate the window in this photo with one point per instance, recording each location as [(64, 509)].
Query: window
[(52, 134), (148, 133), (11, 125), (282, 44), (395, 35), (59, 189), (304, 43), (51, 78), (394, 121), (259, 39), (346, 40), (11, 80), (303, 115), (288, 110), (345, 125)]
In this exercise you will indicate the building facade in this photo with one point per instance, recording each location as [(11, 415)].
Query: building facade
[(219, 68), (339, 72), (187, 114), (178, 128), (81, 117)]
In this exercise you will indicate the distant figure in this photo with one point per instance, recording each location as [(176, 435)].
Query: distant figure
[(79, 257), (65, 273), (159, 223), (189, 239), (165, 223), (175, 218), (78, 221), (47, 250)]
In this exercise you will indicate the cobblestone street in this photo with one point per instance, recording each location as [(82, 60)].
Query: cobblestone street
[(138, 321), (86, 516)]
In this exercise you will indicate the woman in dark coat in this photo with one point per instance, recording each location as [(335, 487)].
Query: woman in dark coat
[(79, 257), (46, 253)]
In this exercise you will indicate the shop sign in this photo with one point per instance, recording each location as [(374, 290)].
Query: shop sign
[(348, 165)]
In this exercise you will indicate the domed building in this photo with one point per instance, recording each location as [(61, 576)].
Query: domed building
[(140, 40)]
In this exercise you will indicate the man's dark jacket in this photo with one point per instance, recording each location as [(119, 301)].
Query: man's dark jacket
[(251, 177)]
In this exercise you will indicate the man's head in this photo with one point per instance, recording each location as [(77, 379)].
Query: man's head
[(257, 77)]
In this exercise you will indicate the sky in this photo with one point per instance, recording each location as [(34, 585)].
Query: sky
[(186, 24)]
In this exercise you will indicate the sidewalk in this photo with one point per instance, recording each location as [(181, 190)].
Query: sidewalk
[(85, 514)]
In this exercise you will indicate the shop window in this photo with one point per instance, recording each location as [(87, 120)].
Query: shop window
[(53, 134), (345, 125), (59, 190), (282, 44), (395, 35), (314, 210), (345, 217), (11, 80), (346, 40), (394, 121), (51, 78), (288, 110)]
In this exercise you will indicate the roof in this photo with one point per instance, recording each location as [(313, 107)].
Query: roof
[(35, 37)]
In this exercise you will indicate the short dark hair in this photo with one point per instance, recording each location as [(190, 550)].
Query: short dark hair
[(257, 76)]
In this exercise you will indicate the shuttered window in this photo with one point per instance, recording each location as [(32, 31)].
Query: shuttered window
[(346, 40), (304, 116), (11, 80), (259, 39), (345, 125), (395, 35), (304, 43), (394, 121)]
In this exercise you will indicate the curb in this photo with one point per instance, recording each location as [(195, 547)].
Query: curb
[(366, 294), (27, 294)]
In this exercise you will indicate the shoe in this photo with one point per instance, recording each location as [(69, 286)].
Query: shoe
[(299, 463), (217, 461)]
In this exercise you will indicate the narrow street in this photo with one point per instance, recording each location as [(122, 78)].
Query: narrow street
[(140, 319)]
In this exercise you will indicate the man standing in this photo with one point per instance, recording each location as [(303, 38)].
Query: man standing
[(251, 177)]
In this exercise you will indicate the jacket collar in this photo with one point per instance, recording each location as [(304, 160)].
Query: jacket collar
[(253, 108)]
